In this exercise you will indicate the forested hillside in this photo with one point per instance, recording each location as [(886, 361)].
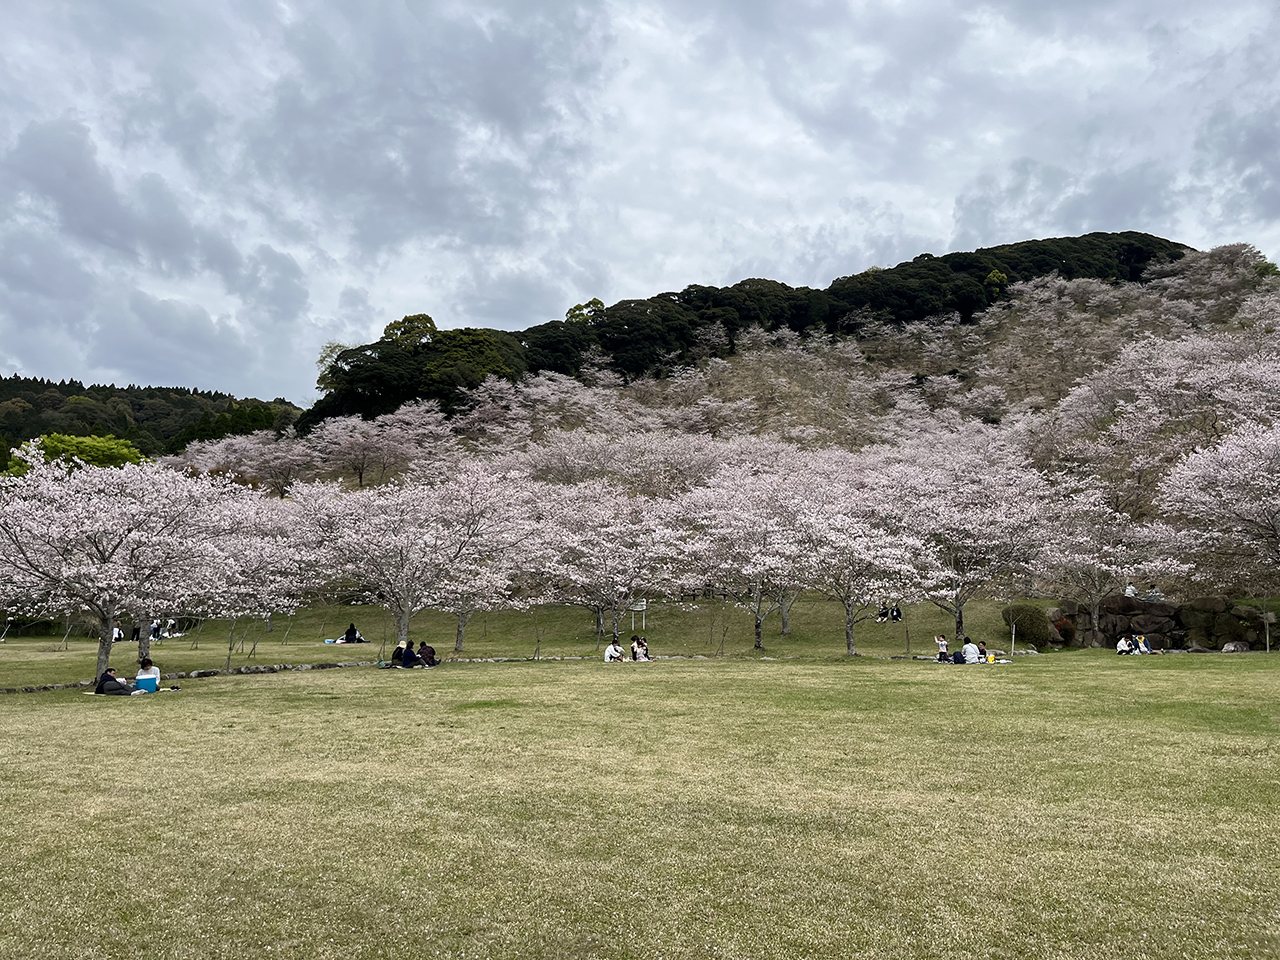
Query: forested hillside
[(157, 420), (653, 337)]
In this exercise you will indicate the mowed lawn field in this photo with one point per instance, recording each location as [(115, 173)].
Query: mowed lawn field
[(1075, 805)]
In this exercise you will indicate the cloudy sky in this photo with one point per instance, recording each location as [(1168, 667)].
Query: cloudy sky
[(203, 193)]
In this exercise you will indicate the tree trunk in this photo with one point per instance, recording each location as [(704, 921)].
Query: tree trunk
[(105, 638), (617, 615), (231, 645), (402, 626), (1093, 620), (144, 644), (599, 626), (759, 633), (959, 623), (787, 602), (463, 620), (849, 649)]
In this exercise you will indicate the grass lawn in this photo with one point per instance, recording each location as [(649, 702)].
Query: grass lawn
[(707, 628), (1079, 805)]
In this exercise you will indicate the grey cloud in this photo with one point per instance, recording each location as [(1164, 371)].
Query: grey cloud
[(274, 286), (1036, 199), (257, 178), (57, 161), (1245, 150), (150, 340), (35, 266)]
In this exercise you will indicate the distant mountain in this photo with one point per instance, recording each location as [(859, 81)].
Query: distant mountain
[(636, 338), (157, 420)]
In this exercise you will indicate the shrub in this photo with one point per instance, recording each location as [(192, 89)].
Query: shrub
[(1033, 624), (1067, 629)]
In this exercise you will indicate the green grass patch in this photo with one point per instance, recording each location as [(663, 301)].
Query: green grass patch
[(710, 628), (1080, 805)]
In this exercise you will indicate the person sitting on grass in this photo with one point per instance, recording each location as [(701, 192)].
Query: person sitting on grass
[(644, 649), (883, 614), (1124, 647), (427, 655), (969, 651), (982, 651), (397, 655), (109, 686), (148, 670), (352, 635), (1143, 646), (411, 659), (613, 652)]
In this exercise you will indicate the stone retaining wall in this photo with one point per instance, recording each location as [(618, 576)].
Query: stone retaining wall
[(1205, 623)]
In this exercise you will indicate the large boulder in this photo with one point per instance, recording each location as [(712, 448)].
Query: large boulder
[(1235, 646), (1162, 608), (1157, 641), (1113, 625), (1069, 608), (1226, 627), (1121, 605), (1147, 623), (1195, 619), (1210, 604), (1247, 614)]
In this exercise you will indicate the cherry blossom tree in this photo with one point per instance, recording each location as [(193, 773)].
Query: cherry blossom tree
[(744, 537), (854, 553), (603, 548), (407, 544), (1230, 494), (972, 498), (259, 458), (1092, 551), (108, 541), (355, 446)]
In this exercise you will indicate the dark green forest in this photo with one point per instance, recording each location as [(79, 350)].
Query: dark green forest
[(642, 337), (157, 420)]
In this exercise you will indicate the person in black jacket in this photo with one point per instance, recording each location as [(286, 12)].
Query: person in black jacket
[(411, 659), (427, 654), (110, 686)]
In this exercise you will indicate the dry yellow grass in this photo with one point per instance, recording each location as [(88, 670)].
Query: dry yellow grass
[(1073, 806)]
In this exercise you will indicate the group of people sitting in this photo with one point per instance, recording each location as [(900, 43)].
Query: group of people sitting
[(1133, 645), (405, 656), (1153, 595), (147, 681), (639, 650), (157, 631), (886, 612), (969, 652)]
